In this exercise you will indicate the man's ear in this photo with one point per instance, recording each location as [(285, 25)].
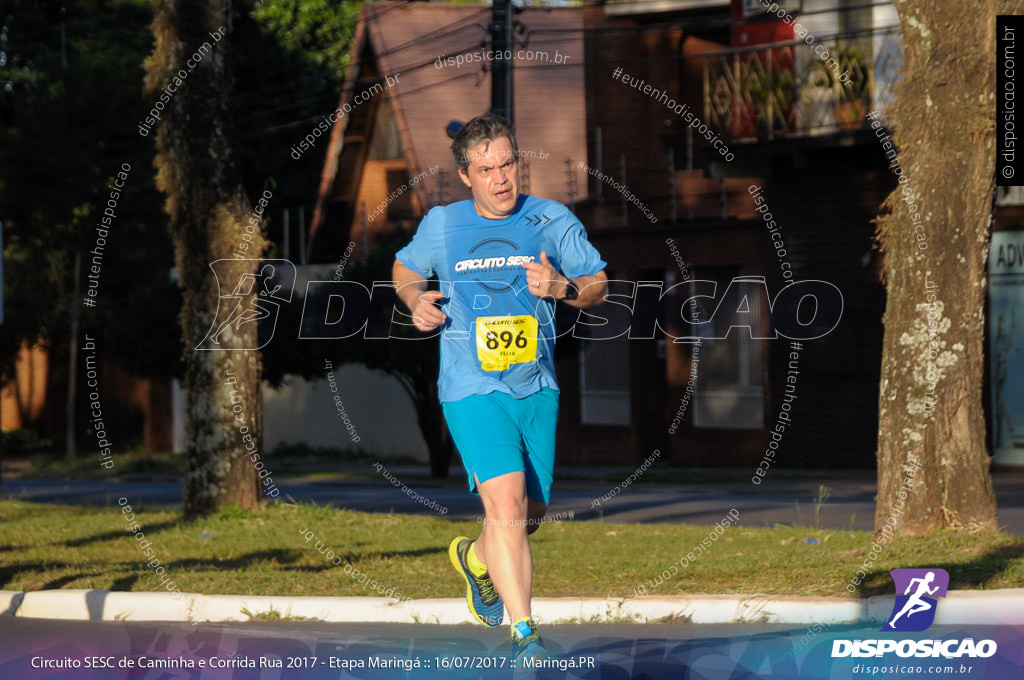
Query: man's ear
[(465, 178)]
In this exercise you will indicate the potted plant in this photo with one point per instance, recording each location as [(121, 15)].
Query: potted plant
[(850, 86), (773, 95)]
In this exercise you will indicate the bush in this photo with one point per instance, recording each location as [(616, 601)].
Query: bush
[(24, 442)]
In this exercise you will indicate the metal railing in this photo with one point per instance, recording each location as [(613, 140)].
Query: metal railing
[(786, 90)]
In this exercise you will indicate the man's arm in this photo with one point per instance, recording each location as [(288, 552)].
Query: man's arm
[(545, 281), (593, 290), (412, 290)]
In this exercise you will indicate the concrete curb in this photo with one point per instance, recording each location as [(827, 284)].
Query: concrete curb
[(989, 607)]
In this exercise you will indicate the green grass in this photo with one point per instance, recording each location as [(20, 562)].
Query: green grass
[(294, 459), (321, 463), (86, 466), (264, 553), (274, 615)]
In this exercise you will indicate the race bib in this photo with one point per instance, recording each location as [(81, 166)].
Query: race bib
[(505, 340)]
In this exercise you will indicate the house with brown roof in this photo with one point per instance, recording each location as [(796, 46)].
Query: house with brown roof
[(416, 68)]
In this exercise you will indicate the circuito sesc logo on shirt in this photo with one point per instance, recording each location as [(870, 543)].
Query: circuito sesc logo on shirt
[(494, 263)]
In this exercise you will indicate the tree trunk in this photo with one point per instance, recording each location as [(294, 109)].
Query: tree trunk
[(931, 420), (197, 168)]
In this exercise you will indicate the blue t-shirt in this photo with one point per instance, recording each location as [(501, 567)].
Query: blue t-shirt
[(490, 342)]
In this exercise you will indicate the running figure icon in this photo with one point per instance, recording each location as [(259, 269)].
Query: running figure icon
[(921, 589), (257, 311), (248, 297), (915, 604)]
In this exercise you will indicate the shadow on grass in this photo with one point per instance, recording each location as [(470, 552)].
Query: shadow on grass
[(279, 555), (8, 573), (970, 575), (58, 583), (124, 584), (148, 529), (418, 552), (94, 599), (316, 568), (356, 558)]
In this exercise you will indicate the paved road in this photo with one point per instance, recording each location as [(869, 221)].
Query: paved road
[(334, 650), (785, 501)]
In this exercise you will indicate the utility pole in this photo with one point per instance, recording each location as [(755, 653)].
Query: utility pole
[(625, 204), (672, 183), (501, 69), (572, 184), (302, 235), (287, 253)]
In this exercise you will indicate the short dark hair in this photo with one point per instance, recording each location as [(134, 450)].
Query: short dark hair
[(485, 128)]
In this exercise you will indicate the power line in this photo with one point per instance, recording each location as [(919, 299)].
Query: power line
[(439, 34), (546, 36)]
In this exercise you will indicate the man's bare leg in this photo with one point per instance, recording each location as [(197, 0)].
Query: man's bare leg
[(503, 544)]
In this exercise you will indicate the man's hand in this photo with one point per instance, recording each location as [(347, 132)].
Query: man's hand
[(544, 280), (412, 290), (425, 315)]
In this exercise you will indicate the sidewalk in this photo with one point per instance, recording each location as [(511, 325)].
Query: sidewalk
[(991, 607)]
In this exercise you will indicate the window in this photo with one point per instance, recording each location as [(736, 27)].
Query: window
[(605, 396), (604, 382), (731, 373), (753, 8), (401, 206)]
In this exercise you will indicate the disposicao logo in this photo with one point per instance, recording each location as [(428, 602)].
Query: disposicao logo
[(914, 611)]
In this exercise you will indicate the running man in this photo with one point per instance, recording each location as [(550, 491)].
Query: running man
[(502, 260), (915, 604)]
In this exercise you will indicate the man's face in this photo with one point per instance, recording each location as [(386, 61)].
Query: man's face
[(493, 177)]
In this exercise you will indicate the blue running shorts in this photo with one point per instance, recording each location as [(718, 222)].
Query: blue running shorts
[(497, 433)]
